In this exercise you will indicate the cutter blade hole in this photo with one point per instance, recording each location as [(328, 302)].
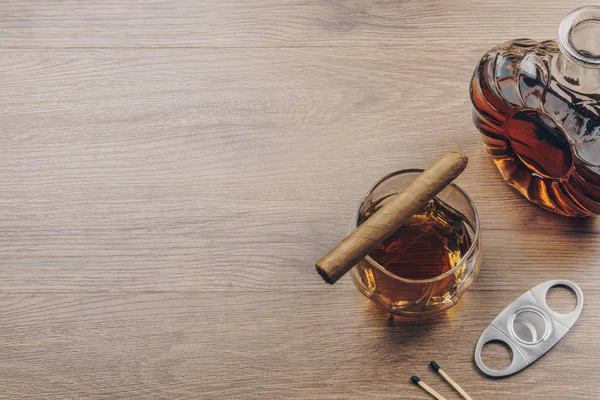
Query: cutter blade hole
[(561, 299), (496, 355)]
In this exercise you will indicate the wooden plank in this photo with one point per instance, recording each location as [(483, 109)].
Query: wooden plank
[(236, 23), (267, 346), (129, 171), (168, 253)]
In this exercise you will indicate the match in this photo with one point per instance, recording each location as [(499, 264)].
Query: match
[(417, 381), (455, 385)]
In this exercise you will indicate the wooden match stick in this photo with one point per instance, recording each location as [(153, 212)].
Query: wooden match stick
[(455, 385), (419, 382)]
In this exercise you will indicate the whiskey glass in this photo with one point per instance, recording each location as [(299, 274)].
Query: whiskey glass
[(417, 298)]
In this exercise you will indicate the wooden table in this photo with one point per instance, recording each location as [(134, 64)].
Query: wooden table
[(170, 171)]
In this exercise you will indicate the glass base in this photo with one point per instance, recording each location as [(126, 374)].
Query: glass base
[(410, 315)]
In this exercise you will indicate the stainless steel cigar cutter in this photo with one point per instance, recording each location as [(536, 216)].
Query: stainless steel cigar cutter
[(529, 327)]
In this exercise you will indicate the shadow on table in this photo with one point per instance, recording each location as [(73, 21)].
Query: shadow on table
[(401, 330)]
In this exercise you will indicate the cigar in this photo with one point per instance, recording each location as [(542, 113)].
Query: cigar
[(390, 217)]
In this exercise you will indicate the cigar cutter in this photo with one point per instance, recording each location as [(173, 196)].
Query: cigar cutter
[(529, 327)]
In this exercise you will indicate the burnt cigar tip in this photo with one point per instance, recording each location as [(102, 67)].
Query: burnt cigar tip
[(324, 275)]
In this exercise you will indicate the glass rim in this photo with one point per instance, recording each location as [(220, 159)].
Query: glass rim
[(568, 24), (462, 260)]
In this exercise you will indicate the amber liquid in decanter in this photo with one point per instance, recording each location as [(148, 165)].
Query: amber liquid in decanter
[(427, 246), (541, 124)]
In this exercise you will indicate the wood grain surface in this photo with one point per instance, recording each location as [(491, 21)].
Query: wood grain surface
[(170, 172)]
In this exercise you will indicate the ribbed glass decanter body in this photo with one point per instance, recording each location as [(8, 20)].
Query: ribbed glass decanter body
[(537, 105)]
